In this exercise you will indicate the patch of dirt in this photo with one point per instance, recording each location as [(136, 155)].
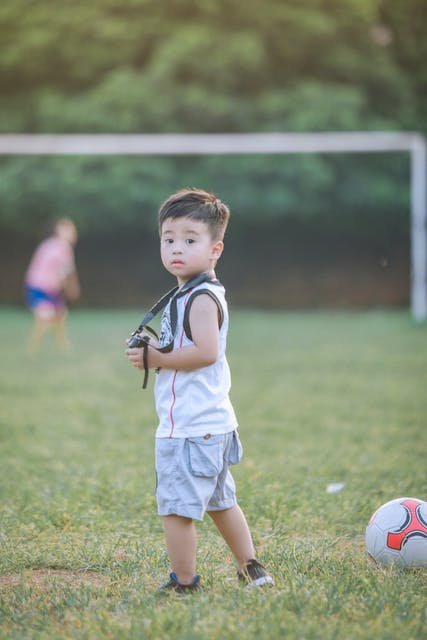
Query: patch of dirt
[(44, 579)]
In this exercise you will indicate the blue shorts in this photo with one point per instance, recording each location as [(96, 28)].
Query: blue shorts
[(43, 301), (193, 475)]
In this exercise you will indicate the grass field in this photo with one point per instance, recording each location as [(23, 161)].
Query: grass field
[(321, 398)]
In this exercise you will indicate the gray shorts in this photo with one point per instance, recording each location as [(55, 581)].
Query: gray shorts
[(193, 474)]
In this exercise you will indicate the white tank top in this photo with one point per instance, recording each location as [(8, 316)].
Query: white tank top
[(194, 403)]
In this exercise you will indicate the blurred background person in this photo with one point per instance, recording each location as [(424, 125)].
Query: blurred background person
[(50, 280)]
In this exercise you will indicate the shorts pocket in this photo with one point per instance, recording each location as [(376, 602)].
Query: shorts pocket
[(205, 456), (235, 451)]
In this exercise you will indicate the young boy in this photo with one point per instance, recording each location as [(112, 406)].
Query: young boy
[(197, 437), (52, 272)]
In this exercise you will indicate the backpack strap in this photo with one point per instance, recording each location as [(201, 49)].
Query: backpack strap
[(190, 301)]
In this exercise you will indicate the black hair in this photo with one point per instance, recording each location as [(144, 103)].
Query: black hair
[(198, 205)]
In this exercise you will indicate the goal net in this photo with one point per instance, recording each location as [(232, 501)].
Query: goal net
[(259, 143)]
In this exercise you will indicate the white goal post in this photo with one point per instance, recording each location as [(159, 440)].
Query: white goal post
[(266, 143)]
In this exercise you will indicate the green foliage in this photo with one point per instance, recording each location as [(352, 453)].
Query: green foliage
[(176, 65), (206, 66), (333, 397), (112, 195)]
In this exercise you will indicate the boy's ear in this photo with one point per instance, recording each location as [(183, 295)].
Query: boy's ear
[(217, 249)]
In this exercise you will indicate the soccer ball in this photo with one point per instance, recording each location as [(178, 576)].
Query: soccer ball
[(397, 533)]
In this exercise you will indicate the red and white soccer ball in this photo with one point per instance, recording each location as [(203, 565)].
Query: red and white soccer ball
[(397, 533)]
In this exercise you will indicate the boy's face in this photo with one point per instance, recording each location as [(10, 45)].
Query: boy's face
[(187, 248), (67, 231)]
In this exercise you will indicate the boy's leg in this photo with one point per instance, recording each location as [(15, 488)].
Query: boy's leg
[(60, 326), (40, 327), (180, 534), (232, 525), (235, 531)]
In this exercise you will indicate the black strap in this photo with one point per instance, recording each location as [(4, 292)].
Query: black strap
[(190, 301), (145, 363), (171, 296), (155, 309), (162, 303)]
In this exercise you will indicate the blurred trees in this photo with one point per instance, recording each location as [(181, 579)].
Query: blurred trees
[(212, 66)]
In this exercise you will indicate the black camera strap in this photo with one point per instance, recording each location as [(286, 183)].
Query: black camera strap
[(171, 296)]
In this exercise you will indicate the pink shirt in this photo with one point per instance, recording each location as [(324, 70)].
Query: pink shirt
[(52, 262)]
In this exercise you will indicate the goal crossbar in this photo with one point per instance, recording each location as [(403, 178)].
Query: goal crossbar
[(259, 143)]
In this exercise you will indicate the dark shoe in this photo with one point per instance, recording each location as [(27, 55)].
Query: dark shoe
[(175, 585), (254, 574)]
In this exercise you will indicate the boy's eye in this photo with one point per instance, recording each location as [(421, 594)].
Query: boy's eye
[(189, 240), (168, 240)]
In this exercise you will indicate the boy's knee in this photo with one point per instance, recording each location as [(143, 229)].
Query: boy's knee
[(174, 516)]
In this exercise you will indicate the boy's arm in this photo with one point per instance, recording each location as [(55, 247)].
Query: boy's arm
[(205, 334), (71, 287)]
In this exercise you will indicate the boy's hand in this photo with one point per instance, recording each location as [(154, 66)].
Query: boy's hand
[(135, 356), (204, 350)]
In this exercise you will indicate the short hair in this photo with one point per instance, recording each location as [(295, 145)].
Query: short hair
[(63, 222), (198, 205)]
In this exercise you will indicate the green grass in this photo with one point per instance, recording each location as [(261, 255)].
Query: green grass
[(321, 398)]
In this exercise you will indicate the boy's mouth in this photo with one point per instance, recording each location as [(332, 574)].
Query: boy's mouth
[(175, 263)]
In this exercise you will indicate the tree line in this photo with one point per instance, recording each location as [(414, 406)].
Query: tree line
[(212, 66)]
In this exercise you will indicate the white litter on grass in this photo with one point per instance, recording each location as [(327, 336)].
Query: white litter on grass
[(335, 487)]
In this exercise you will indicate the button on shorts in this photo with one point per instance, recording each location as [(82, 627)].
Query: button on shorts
[(193, 474)]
